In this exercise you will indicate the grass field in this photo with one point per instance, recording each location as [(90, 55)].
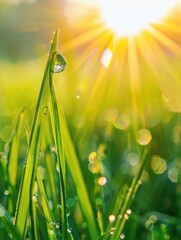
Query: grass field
[(96, 153)]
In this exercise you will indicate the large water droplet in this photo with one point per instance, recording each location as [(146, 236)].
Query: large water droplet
[(58, 63)]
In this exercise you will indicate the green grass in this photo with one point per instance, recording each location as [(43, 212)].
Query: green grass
[(54, 196)]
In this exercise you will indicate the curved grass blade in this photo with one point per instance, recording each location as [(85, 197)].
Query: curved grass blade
[(28, 178), (60, 162), (73, 164)]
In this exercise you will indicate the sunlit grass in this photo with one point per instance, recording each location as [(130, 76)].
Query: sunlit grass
[(105, 127)]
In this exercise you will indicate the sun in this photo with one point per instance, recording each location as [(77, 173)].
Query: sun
[(132, 16)]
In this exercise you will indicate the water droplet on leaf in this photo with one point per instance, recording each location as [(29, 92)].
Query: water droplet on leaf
[(45, 110), (102, 181), (58, 63), (122, 236), (6, 192), (112, 218), (57, 226)]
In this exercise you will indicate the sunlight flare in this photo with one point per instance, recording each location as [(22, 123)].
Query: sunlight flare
[(130, 17)]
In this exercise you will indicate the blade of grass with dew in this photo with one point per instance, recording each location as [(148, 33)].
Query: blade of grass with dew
[(46, 209), (28, 178), (12, 160), (60, 162), (77, 176), (119, 225)]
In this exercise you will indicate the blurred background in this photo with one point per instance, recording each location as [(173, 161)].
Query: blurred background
[(115, 84), (134, 72)]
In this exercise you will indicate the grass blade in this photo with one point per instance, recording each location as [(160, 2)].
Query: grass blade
[(46, 209), (28, 178), (129, 198), (14, 149), (74, 166), (12, 160), (60, 162)]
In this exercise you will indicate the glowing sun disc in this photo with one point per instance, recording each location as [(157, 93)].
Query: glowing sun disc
[(131, 16)]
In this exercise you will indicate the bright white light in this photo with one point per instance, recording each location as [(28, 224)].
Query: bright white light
[(106, 57), (131, 16)]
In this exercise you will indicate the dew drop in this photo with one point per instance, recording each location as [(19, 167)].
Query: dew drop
[(6, 192), (126, 216), (69, 230), (53, 148), (45, 110), (122, 236), (68, 210), (52, 223), (35, 198), (129, 211), (112, 218), (58, 63), (139, 182), (102, 181), (112, 231), (57, 226)]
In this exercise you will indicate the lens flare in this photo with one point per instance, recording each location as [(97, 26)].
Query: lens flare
[(130, 17)]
